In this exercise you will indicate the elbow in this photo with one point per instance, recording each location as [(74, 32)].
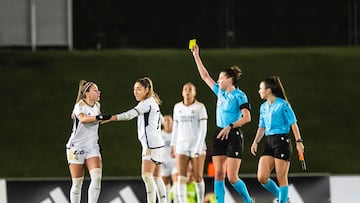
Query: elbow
[(247, 119), (205, 76)]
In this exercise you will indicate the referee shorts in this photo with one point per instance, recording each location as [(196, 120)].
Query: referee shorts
[(231, 147), (278, 146)]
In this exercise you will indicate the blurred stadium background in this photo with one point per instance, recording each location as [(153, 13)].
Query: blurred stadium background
[(311, 45)]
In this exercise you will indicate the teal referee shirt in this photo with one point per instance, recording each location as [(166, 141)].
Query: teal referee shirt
[(229, 105), (277, 117)]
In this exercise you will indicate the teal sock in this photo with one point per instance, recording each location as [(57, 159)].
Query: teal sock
[(219, 189), (283, 195), (240, 187), (272, 187)]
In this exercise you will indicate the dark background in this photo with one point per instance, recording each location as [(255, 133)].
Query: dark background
[(217, 24)]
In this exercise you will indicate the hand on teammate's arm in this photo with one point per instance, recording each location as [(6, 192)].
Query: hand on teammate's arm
[(103, 117)]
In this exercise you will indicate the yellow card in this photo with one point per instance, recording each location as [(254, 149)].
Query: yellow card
[(192, 43)]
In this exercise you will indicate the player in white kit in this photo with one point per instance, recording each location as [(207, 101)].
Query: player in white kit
[(188, 140), (149, 126), (82, 148), (168, 168)]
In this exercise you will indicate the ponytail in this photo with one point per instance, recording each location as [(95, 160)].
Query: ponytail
[(84, 87), (274, 83)]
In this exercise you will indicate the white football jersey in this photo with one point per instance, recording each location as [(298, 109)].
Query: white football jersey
[(187, 132), (167, 139), (149, 124), (84, 134)]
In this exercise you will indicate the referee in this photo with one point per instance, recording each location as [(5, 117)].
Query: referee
[(232, 112), (276, 119)]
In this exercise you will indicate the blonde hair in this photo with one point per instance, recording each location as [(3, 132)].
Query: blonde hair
[(84, 86), (147, 83)]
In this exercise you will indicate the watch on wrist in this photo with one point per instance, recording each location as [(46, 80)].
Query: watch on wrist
[(299, 140), (231, 125)]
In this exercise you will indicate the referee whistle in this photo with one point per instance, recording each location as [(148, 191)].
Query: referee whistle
[(302, 161)]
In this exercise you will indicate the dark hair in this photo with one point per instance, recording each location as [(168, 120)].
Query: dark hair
[(234, 73), (274, 83), (147, 83)]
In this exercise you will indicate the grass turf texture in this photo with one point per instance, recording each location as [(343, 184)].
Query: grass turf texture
[(39, 91)]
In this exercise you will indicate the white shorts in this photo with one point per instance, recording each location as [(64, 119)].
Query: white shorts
[(189, 153), (156, 155), (188, 150), (167, 168), (79, 156)]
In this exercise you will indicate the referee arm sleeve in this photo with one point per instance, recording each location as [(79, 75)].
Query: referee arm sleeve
[(128, 115)]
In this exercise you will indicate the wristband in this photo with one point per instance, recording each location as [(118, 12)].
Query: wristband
[(299, 140)]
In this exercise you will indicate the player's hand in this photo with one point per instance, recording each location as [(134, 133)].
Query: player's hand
[(254, 147), (172, 152), (103, 116), (224, 133)]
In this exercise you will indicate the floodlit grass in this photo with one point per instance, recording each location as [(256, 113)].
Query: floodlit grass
[(39, 91)]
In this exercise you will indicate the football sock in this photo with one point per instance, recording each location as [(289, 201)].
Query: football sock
[(219, 188), (272, 187), (283, 195), (95, 185), (150, 187), (161, 189), (75, 191), (200, 190), (240, 187)]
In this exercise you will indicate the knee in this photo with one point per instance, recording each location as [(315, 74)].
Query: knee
[(219, 174), (148, 181), (146, 177), (263, 179), (282, 181), (233, 179), (77, 185), (198, 178), (96, 176)]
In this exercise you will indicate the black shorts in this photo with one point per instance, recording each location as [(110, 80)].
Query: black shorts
[(278, 146), (232, 147)]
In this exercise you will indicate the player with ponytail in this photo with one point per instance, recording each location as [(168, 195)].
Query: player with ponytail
[(82, 148), (148, 116)]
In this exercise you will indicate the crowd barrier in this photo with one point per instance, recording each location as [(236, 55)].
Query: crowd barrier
[(302, 189)]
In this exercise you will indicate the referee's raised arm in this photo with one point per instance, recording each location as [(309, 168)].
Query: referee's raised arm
[(205, 76)]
